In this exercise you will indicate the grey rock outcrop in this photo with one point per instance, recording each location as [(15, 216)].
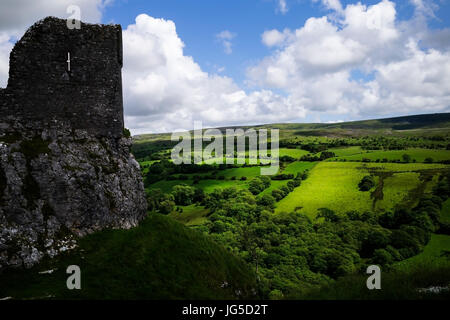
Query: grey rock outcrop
[(65, 165)]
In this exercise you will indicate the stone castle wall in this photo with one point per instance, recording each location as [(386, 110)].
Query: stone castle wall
[(65, 166), (41, 87)]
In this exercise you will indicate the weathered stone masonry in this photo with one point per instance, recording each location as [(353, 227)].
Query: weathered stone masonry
[(40, 87), (65, 166)]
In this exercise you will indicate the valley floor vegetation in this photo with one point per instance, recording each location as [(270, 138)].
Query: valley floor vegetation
[(346, 196), (336, 206)]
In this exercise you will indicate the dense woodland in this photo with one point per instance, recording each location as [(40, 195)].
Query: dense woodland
[(292, 252)]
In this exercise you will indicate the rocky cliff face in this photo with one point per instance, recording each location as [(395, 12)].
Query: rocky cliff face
[(56, 184), (60, 178)]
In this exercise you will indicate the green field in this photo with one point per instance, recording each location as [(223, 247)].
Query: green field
[(215, 160), (334, 185), (249, 172), (433, 253), (418, 154), (347, 151), (145, 165), (208, 185), (294, 153), (297, 166), (231, 244), (445, 212), (329, 185), (397, 188), (192, 215), (274, 184), (369, 148), (166, 186)]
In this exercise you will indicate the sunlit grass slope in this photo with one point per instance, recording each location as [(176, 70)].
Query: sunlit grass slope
[(334, 185), (159, 259)]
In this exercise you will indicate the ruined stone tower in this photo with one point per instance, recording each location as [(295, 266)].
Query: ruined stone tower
[(65, 166), (67, 75)]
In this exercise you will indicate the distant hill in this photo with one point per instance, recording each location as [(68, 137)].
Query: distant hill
[(397, 123), (422, 121), (403, 123), (419, 125)]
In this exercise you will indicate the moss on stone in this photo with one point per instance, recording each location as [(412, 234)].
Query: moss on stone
[(126, 133)]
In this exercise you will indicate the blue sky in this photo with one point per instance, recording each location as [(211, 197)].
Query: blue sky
[(198, 22), (243, 62)]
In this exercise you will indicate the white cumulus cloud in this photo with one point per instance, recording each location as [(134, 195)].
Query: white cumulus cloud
[(282, 6), (315, 64), (424, 7), (17, 15), (225, 38), (274, 37), (357, 61), (331, 4), (165, 90)]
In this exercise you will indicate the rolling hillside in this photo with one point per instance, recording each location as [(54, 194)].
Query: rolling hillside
[(426, 125), (160, 259)]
